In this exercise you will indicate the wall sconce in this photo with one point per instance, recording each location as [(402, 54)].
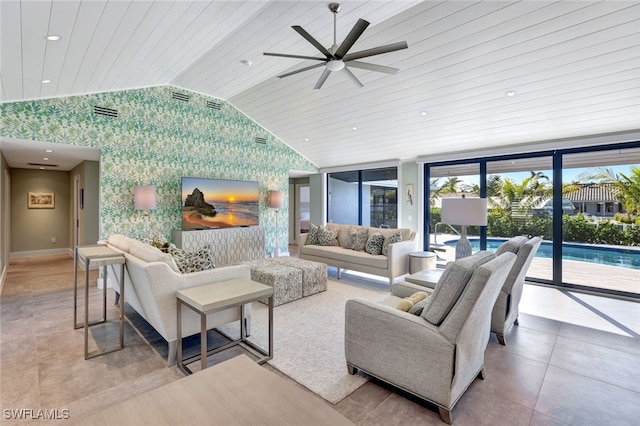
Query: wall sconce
[(276, 201), (465, 212), (144, 198)]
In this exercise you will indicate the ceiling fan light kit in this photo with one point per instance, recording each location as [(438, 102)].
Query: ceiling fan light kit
[(337, 57)]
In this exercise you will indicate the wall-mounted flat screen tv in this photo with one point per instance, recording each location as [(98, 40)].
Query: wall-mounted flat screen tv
[(219, 203)]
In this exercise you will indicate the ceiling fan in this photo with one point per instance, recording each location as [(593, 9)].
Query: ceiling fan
[(337, 57)]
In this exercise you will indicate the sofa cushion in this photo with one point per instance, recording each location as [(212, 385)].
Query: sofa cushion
[(345, 255), (418, 307), (122, 242), (342, 233), (148, 253), (374, 243), (406, 232), (393, 238), (351, 239), (192, 262), (511, 245), (451, 285), (327, 237), (312, 236)]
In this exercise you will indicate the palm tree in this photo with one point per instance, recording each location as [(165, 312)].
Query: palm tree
[(628, 186), (450, 186), (529, 194)]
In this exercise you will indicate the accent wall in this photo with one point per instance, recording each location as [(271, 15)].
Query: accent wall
[(159, 135)]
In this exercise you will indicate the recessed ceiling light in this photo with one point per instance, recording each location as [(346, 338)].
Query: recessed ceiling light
[(511, 93), (46, 81), (306, 139), (423, 113), (53, 37), (354, 128), (41, 168), (247, 62), (45, 158), (48, 150)]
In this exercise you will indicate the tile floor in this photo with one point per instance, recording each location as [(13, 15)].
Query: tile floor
[(574, 359)]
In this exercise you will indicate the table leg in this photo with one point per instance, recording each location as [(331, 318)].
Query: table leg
[(86, 309), (243, 329), (271, 327), (179, 334), (203, 341), (104, 294), (121, 304), (75, 287)]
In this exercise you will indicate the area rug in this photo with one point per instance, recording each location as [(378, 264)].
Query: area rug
[(308, 336)]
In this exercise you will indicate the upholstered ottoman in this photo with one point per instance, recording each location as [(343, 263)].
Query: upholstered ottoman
[(314, 274), (286, 281)]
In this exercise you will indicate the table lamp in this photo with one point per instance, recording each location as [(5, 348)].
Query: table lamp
[(465, 212)]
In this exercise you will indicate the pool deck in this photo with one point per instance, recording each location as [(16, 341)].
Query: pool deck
[(573, 271)]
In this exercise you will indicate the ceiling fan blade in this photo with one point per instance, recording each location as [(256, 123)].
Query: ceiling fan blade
[(352, 37), (301, 70), (376, 51), (353, 77), (312, 40), (285, 55), (373, 67), (322, 79)]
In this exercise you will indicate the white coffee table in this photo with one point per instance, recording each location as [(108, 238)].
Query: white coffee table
[(218, 296)]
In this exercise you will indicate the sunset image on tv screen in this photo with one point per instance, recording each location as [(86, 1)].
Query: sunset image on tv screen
[(219, 203)]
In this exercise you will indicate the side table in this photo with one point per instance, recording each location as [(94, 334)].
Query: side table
[(92, 257), (214, 297), (421, 260)]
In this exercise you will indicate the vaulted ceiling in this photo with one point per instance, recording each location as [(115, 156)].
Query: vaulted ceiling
[(573, 67)]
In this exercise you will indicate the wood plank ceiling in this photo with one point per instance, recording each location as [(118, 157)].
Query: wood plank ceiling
[(574, 67)]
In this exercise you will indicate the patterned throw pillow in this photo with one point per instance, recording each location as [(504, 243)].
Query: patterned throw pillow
[(351, 238), (360, 242), (312, 236), (327, 237), (192, 262), (393, 238), (374, 244)]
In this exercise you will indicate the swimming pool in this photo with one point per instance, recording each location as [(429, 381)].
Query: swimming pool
[(603, 255)]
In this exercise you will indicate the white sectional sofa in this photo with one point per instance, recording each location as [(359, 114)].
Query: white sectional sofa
[(392, 265), (151, 282)]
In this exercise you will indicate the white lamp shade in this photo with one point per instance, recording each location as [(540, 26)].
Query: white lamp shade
[(464, 211), (276, 199), (144, 197)]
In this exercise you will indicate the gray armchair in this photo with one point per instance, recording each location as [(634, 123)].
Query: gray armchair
[(435, 355), (505, 311)]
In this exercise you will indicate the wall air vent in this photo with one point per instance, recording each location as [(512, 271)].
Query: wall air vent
[(258, 139), (107, 112), (214, 105), (42, 165), (180, 96)]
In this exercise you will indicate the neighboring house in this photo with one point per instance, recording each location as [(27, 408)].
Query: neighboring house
[(598, 199)]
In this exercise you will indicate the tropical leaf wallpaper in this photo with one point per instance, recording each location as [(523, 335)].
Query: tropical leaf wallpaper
[(156, 140)]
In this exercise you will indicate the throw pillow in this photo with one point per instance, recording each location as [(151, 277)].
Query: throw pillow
[(418, 307), (327, 237), (312, 236), (450, 286), (408, 302), (192, 262), (393, 238), (360, 242), (374, 243), (351, 238)]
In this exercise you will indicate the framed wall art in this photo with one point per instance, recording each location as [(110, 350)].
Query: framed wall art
[(41, 200)]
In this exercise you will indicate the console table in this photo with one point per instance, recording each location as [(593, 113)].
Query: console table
[(234, 392), (92, 257), (210, 298)]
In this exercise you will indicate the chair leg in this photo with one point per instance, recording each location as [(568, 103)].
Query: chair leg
[(351, 369), (117, 298), (338, 270), (481, 374), (516, 322), (173, 349), (501, 339), (445, 415)]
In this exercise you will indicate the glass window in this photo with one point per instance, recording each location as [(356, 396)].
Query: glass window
[(367, 197)]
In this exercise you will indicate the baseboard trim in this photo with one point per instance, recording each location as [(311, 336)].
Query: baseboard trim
[(40, 253)]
